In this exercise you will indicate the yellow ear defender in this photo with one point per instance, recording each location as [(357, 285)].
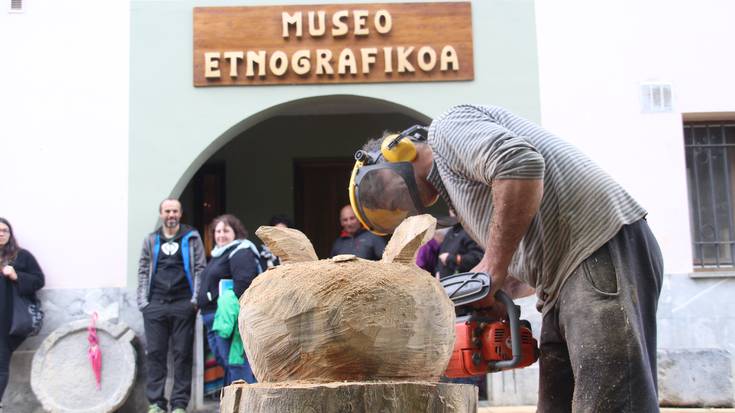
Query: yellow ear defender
[(397, 148), (400, 147)]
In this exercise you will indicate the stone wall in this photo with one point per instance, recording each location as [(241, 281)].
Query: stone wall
[(696, 341)]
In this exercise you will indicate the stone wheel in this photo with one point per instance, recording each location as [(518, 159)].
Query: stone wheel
[(62, 377)]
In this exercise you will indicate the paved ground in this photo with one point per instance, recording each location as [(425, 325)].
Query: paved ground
[(532, 409)]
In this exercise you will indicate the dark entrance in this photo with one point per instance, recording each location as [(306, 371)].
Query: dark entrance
[(320, 192)]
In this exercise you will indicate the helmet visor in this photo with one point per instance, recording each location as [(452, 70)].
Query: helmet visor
[(386, 194)]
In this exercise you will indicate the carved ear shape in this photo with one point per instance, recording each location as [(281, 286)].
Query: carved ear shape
[(413, 232), (290, 245)]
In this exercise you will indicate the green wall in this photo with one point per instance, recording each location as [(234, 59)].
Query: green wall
[(175, 128), (259, 162)]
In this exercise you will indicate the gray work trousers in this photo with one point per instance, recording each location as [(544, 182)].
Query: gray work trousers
[(598, 342)]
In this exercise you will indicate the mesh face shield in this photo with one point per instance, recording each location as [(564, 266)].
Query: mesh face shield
[(384, 194)]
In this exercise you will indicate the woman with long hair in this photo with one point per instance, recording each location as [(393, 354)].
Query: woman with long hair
[(18, 269), (234, 264)]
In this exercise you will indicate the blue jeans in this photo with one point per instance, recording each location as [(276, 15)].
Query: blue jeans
[(219, 346), (242, 372), (221, 349)]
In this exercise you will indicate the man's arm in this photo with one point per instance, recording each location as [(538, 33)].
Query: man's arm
[(515, 203), (200, 262), (143, 274)]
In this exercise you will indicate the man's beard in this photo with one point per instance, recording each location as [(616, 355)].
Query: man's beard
[(171, 223)]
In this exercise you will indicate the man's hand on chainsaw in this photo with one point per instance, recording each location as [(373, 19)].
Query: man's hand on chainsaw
[(497, 276), (512, 286), (497, 311)]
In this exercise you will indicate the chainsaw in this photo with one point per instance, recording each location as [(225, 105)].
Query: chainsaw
[(486, 344)]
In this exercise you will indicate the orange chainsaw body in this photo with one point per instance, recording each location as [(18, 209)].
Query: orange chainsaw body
[(478, 344)]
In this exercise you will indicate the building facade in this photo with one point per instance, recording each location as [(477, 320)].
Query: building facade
[(102, 120)]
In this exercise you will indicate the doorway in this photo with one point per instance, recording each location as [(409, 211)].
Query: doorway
[(320, 192), (297, 165), (294, 159)]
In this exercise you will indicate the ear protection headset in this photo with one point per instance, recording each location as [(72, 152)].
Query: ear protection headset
[(400, 147), (397, 151)]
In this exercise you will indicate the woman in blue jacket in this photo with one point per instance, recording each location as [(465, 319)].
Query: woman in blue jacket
[(233, 258)]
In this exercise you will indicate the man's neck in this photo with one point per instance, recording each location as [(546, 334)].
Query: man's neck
[(171, 232)]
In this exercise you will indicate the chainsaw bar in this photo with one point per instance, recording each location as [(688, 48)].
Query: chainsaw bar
[(466, 287)]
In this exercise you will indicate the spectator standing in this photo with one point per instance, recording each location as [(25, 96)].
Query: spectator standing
[(20, 270), (428, 254), (171, 262), (235, 258), (457, 253), (356, 240)]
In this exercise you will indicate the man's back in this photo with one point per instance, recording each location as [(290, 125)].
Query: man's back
[(582, 207)]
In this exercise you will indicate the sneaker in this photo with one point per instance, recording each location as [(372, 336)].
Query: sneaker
[(178, 410), (154, 408)]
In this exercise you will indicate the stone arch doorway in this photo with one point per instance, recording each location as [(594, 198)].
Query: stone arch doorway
[(291, 159)]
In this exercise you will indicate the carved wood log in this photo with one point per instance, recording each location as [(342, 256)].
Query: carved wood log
[(356, 397), (347, 318), (289, 245), (408, 237)]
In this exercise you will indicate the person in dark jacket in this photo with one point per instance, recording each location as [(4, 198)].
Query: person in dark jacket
[(169, 270), (355, 240), (19, 269), (457, 253), (233, 258)]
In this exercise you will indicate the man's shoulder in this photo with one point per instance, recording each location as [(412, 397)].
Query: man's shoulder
[(467, 111), (190, 231), (151, 235)]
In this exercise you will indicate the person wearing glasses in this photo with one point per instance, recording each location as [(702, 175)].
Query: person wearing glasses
[(19, 269)]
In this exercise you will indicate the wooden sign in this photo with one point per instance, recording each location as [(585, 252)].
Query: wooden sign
[(333, 43)]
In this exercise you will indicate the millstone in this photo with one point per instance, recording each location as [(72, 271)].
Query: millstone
[(62, 377)]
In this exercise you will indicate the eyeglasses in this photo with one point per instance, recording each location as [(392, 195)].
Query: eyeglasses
[(4, 231)]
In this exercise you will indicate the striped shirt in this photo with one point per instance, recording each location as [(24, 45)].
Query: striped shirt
[(581, 208)]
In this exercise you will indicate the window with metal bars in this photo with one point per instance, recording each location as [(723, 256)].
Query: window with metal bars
[(710, 165), (16, 5)]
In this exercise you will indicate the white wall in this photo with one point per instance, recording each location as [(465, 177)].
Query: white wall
[(593, 57), (64, 100), (64, 137)]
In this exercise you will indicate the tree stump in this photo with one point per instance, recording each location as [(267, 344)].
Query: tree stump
[(352, 397)]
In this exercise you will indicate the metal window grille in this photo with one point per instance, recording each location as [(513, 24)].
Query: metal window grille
[(710, 165)]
